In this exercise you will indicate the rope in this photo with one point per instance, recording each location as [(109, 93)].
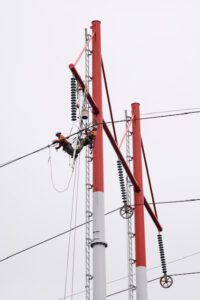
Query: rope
[(52, 180), (69, 239), (75, 222), (82, 51), (125, 133)]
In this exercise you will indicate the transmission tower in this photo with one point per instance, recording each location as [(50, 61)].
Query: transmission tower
[(134, 178)]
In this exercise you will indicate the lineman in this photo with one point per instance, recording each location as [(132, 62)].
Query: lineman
[(67, 146), (63, 142)]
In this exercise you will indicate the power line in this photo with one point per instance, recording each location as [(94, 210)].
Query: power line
[(174, 275), (118, 292), (21, 157), (38, 150), (127, 289), (171, 202), (51, 238), (177, 201), (185, 274), (155, 279), (109, 122), (82, 224), (176, 260), (42, 242), (172, 110), (171, 115)]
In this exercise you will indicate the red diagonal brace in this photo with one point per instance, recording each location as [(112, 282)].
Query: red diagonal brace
[(113, 143), (153, 216), (129, 174), (82, 85), (119, 154), (131, 177)]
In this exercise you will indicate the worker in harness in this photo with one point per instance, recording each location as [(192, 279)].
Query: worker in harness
[(63, 142), (67, 146), (90, 137)]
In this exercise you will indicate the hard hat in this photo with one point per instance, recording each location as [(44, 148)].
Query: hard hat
[(58, 133)]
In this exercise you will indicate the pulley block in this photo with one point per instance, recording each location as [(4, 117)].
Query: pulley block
[(166, 281), (126, 211)]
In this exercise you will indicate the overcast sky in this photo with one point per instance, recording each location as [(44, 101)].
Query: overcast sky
[(151, 55)]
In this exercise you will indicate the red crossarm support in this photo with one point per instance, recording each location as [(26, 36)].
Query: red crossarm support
[(131, 177), (153, 216), (119, 154), (115, 146)]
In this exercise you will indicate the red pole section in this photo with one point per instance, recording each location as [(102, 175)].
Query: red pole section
[(115, 146), (140, 251), (98, 243), (98, 185), (139, 197)]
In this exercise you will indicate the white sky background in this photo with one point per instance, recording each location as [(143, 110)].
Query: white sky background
[(151, 55)]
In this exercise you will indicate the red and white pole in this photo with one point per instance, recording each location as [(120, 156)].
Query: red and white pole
[(98, 243), (140, 251)]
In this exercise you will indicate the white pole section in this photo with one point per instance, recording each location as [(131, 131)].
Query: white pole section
[(98, 243)]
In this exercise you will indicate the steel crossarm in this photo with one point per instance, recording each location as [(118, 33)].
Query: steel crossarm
[(131, 177), (115, 146)]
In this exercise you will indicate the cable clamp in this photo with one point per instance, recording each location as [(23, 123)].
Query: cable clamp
[(132, 261), (90, 277), (89, 213), (131, 235), (89, 186)]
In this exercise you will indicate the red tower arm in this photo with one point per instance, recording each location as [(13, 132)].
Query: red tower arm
[(115, 146)]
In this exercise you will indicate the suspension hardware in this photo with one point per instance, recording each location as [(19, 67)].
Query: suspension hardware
[(90, 277), (89, 241), (131, 235), (89, 213), (126, 211), (89, 158), (132, 287), (132, 261), (165, 281), (73, 98), (162, 254), (89, 186), (130, 133), (129, 158), (84, 113), (121, 180)]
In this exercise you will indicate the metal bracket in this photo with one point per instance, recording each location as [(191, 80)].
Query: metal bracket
[(89, 213), (89, 186), (132, 261)]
